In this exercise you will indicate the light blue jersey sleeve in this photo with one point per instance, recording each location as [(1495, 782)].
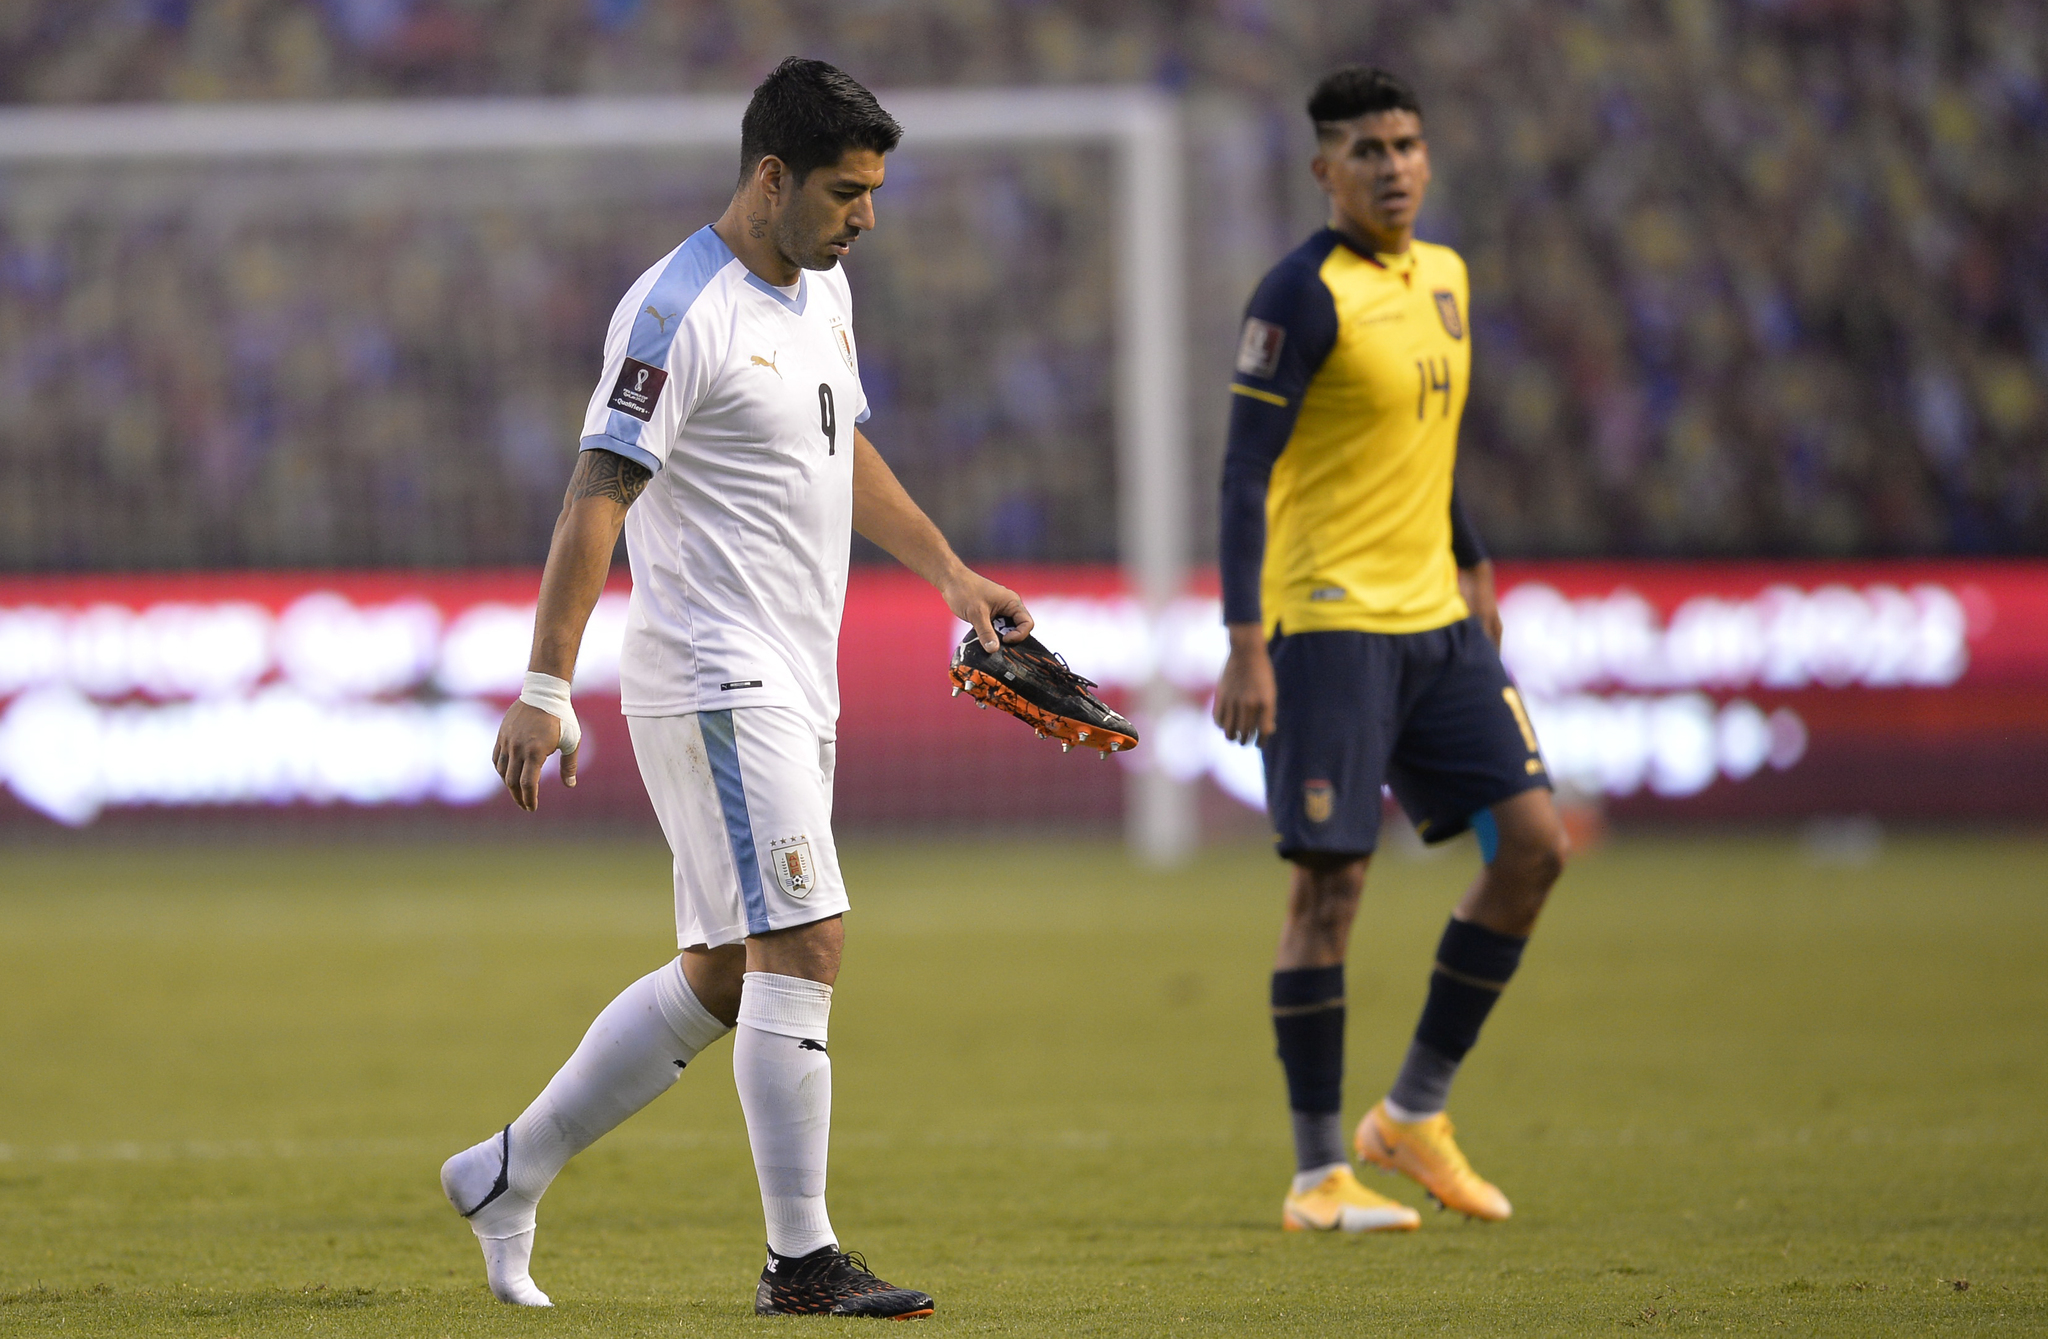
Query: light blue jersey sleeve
[(656, 368)]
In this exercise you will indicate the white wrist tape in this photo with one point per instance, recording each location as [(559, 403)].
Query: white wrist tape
[(544, 692)]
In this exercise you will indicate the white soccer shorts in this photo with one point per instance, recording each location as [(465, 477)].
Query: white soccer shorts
[(745, 799)]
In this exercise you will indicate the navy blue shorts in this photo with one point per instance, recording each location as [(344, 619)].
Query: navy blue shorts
[(1432, 714)]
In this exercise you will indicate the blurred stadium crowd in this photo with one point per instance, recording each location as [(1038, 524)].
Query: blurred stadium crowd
[(1749, 276), (372, 364)]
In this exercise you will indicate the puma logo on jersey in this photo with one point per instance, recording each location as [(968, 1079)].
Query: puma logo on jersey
[(661, 322), (768, 363)]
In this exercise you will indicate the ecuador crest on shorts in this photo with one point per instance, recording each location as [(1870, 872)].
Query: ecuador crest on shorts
[(1317, 798), (794, 869)]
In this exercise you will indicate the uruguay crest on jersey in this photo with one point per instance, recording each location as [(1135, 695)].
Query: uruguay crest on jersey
[(842, 334)]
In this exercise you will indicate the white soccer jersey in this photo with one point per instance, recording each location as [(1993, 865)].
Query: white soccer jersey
[(742, 399)]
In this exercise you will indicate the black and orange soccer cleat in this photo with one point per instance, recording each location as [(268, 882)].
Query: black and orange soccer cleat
[(1035, 685), (832, 1282)]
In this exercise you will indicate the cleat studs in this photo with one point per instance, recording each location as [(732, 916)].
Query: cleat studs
[(1064, 746), (981, 704), (956, 690), (1105, 755)]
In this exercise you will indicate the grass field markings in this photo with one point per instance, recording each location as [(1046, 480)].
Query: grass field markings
[(216, 1150), (1058, 1140), (213, 1150), (1865, 1136)]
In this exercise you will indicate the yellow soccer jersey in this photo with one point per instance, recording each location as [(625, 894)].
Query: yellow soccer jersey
[(1338, 504)]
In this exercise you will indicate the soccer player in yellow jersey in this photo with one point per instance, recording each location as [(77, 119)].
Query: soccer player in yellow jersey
[(1363, 647)]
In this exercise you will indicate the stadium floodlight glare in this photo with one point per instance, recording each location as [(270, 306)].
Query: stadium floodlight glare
[(1141, 126)]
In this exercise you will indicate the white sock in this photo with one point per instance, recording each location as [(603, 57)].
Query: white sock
[(784, 1075), (1310, 1179), (508, 1263), (1402, 1115), (630, 1056)]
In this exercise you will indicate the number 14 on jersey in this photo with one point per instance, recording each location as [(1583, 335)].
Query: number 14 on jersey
[(1432, 377)]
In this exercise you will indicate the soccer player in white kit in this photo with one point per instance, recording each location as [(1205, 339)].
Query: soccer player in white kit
[(729, 397)]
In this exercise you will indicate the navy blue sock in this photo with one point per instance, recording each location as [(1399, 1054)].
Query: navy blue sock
[(1473, 966), (1308, 1020)]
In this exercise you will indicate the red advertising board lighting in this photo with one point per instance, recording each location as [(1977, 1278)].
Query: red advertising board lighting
[(1739, 690)]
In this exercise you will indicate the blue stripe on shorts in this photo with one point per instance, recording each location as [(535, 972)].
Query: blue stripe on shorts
[(721, 749)]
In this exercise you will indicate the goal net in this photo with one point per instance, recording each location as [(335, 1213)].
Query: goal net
[(362, 335)]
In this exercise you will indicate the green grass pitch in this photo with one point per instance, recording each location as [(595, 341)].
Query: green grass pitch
[(1732, 1091)]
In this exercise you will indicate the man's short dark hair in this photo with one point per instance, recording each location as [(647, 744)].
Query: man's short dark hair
[(1355, 91), (808, 114)]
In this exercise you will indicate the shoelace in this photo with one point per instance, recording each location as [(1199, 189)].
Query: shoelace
[(853, 1267), (1055, 667)]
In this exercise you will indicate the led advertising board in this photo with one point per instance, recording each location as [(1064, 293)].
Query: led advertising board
[(1741, 690)]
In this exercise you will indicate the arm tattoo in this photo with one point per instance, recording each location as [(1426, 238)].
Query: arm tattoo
[(602, 473)]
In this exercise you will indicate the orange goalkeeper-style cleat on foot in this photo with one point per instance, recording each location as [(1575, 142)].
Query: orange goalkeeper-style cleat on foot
[(1425, 1152), (1340, 1204)]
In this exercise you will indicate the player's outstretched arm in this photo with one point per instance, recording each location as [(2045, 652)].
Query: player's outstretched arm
[(579, 558), (884, 513)]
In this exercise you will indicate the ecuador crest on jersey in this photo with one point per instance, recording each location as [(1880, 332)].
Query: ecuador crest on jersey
[(1447, 311)]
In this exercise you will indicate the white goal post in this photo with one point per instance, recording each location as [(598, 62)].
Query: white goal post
[(1141, 126)]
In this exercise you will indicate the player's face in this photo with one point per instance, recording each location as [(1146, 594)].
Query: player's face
[(1376, 171), (833, 207)]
